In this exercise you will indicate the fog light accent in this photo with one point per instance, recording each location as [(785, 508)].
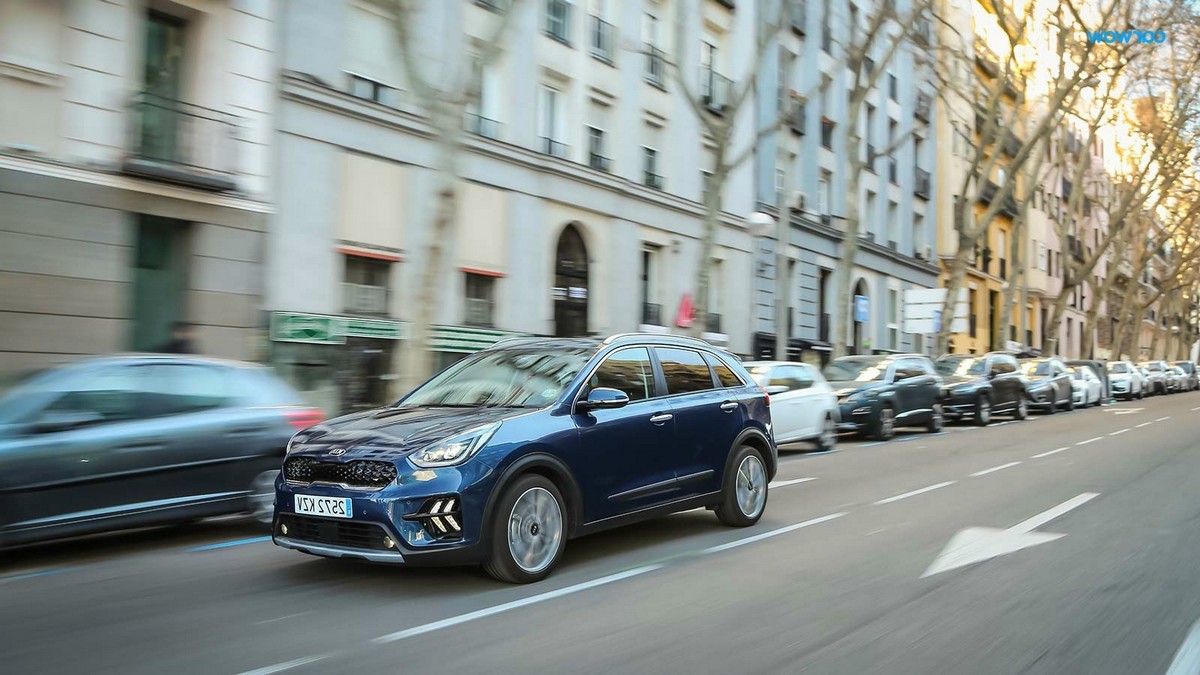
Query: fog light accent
[(283, 529), (387, 541)]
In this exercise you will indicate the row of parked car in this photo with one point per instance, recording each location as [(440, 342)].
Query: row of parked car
[(873, 395)]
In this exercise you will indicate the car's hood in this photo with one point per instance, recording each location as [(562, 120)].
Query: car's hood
[(389, 433), (847, 387)]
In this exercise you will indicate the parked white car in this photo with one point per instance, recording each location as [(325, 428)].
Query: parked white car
[(803, 407), (1126, 380), (1177, 380), (1086, 388)]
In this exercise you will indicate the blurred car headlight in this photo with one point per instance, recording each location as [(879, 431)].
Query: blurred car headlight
[(456, 449), (296, 441)]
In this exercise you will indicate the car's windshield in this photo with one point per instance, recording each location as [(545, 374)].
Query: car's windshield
[(1037, 368), (525, 378), (855, 369), (1154, 366), (960, 366), (1077, 374), (1118, 368)]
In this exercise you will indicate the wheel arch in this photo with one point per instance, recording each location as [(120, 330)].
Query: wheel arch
[(553, 469), (759, 441)]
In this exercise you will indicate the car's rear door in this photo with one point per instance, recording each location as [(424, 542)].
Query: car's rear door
[(912, 391), (708, 418), (1006, 381), (627, 456), (788, 410)]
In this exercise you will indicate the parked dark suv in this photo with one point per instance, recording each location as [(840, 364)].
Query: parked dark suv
[(131, 441), (1049, 384), (505, 455), (980, 386), (878, 393)]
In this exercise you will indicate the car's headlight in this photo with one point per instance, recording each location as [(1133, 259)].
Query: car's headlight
[(456, 449), (296, 441)]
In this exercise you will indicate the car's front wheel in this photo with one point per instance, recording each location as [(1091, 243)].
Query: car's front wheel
[(937, 419), (884, 427), (1022, 409), (983, 410), (528, 531), (744, 494), (828, 437)]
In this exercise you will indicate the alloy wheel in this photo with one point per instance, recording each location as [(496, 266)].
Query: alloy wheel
[(535, 527), (751, 486)]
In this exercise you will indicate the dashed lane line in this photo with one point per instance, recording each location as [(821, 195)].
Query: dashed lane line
[(1051, 452), (994, 469), (914, 493), (1090, 440)]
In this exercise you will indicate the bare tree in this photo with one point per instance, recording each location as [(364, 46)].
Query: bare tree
[(444, 90)]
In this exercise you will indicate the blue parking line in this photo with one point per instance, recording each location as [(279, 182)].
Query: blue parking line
[(33, 575), (227, 544), (906, 438), (871, 445), (822, 452)]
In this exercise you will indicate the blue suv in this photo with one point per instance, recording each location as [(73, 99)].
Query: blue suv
[(502, 457)]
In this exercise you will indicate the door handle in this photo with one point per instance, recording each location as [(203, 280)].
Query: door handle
[(729, 406), (661, 418), (142, 447)]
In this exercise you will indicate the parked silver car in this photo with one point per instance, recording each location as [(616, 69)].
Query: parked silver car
[(1189, 369), (1157, 380), (1126, 380)]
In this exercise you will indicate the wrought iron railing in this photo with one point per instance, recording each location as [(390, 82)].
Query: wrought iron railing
[(182, 142)]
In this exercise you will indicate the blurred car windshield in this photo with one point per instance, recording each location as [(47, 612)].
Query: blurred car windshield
[(858, 370), (960, 367), (1037, 368), (518, 378), (1118, 368)]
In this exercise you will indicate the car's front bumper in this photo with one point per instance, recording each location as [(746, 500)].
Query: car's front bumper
[(331, 551), (855, 416)]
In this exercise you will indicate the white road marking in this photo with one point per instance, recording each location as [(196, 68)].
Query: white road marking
[(977, 544), (876, 531), (1127, 411), (785, 483), (1196, 408), (1144, 424), (1163, 419), (994, 468), (508, 606), (288, 665), (281, 618), (1118, 433), (1047, 454), (1090, 440), (771, 533), (914, 493), (1187, 659)]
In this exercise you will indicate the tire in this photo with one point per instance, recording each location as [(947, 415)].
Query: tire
[(828, 437), (884, 427), (260, 503), (744, 493), (528, 531), (1070, 403), (937, 420), (1052, 407), (983, 411), (1022, 410)]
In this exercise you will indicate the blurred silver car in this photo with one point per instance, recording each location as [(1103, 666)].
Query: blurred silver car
[(1126, 380), (1155, 373), (1189, 369)]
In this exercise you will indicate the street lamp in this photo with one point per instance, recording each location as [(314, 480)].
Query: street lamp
[(759, 224)]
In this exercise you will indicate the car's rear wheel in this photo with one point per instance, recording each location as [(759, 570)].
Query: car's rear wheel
[(261, 501), (937, 419), (1022, 409), (528, 531), (1070, 402), (983, 410), (828, 437), (744, 494), (884, 426)]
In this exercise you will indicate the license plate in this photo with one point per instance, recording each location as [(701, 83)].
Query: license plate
[(330, 507)]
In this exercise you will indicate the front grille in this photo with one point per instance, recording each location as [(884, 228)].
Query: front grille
[(345, 533), (360, 474)]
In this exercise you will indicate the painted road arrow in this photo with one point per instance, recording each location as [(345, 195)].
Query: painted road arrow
[(977, 544), (1125, 411)]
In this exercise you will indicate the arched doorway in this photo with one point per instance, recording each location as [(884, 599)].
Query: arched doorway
[(570, 284), (859, 327)]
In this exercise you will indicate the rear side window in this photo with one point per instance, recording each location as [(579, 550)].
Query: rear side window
[(180, 388), (685, 370), (724, 373), (263, 388), (111, 394), (627, 370), (909, 368)]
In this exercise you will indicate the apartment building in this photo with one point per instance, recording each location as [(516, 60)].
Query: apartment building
[(582, 180), (135, 141)]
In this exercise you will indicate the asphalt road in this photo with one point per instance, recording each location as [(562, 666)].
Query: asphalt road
[(851, 570)]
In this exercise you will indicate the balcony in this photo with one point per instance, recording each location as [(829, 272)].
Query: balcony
[(178, 142), (1011, 145), (796, 118), (986, 59), (988, 193), (1075, 245), (364, 299), (712, 323), (922, 185), (654, 180), (554, 148), (651, 314), (656, 66), (798, 16), (599, 162), (716, 91), (603, 34), (923, 108), (482, 126)]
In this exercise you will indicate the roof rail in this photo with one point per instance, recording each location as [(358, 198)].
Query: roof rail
[(656, 336)]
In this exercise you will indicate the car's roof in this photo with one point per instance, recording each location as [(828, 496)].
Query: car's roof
[(592, 343), (754, 364), (148, 357)]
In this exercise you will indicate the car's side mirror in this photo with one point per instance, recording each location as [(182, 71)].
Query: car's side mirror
[(65, 421), (992, 374), (898, 377), (773, 389), (603, 398)]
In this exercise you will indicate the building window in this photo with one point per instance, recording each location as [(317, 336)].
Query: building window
[(893, 87), (480, 293), (655, 59), (558, 20), (596, 158), (651, 307), (365, 285), (651, 176), (823, 193), (550, 121)]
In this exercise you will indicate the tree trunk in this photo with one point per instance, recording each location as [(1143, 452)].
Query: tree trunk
[(1008, 295), (954, 282), (1060, 308), (712, 221), (845, 270)]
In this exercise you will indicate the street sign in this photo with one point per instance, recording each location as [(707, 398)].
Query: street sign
[(380, 329), (937, 321), (310, 328), (862, 308)]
